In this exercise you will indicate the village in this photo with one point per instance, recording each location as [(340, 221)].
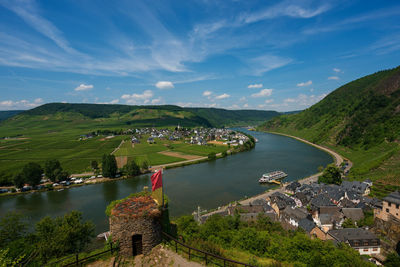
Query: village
[(340, 213), (198, 136)]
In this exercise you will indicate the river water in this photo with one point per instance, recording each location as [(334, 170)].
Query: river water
[(208, 185)]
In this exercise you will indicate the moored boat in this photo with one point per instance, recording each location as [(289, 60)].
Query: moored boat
[(271, 176)]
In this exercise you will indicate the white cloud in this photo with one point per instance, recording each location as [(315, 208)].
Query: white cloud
[(115, 101), (84, 87), (304, 83), (207, 93), (156, 101), (20, 104), (164, 85), (304, 100), (257, 85), (336, 70), (268, 101), (333, 78), (263, 93), (246, 105), (143, 98), (243, 99), (223, 96)]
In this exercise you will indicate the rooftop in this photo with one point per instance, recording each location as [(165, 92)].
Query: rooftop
[(136, 207), (393, 198)]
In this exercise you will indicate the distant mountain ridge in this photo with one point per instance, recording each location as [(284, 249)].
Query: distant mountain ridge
[(160, 115)]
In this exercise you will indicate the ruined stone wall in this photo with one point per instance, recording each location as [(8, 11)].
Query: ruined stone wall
[(122, 229)]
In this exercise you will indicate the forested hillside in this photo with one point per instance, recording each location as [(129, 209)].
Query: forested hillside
[(164, 115), (361, 120)]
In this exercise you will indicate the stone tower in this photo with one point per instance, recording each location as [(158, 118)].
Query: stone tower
[(136, 224)]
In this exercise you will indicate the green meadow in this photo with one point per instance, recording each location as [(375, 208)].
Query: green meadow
[(150, 152)]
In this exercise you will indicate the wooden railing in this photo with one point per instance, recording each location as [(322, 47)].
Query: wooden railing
[(78, 261), (207, 255)]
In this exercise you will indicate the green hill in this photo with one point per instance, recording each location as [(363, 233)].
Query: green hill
[(5, 114), (361, 120)]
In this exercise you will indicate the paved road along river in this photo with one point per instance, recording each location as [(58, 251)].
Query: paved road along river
[(209, 184)]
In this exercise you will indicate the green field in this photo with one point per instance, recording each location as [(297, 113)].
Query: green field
[(149, 152)]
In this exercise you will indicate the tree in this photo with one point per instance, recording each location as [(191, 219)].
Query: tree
[(331, 175), (109, 166), (32, 173), (52, 168), (12, 228), (62, 235), (212, 156), (94, 165), (392, 260), (348, 223), (132, 169), (19, 180), (145, 165)]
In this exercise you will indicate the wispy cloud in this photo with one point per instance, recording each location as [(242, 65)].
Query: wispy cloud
[(333, 78), (257, 85), (292, 9), (164, 85), (304, 83), (336, 70), (265, 63), (84, 87), (28, 11)]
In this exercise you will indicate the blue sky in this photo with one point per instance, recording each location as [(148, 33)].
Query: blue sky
[(270, 55)]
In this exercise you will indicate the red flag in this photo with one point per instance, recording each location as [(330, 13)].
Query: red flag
[(156, 180)]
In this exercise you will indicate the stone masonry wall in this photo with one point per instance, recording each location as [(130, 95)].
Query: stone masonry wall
[(122, 229)]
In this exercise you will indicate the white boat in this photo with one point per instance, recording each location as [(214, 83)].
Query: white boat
[(269, 177)]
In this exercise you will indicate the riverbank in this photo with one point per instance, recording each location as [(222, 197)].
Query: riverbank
[(307, 180)]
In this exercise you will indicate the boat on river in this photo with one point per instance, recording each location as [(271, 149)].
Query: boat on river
[(272, 176)]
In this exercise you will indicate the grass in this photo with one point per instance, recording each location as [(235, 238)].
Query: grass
[(149, 152)]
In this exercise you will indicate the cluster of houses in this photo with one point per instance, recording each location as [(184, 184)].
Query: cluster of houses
[(321, 209), (198, 136)]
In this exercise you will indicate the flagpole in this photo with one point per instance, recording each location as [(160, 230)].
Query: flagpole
[(162, 191)]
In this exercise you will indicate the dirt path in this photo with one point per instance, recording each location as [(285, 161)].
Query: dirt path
[(157, 167), (116, 149)]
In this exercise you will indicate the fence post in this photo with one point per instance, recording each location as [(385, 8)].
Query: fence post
[(189, 253), (77, 259), (176, 246), (224, 262), (205, 254), (111, 248)]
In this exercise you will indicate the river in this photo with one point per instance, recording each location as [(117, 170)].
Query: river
[(208, 185)]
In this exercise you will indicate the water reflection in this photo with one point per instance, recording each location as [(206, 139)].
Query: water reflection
[(110, 191)]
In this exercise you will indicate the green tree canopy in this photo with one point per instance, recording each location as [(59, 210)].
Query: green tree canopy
[(52, 169), (19, 180), (109, 166), (132, 169), (331, 175), (62, 235), (145, 165), (94, 165), (32, 173)]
